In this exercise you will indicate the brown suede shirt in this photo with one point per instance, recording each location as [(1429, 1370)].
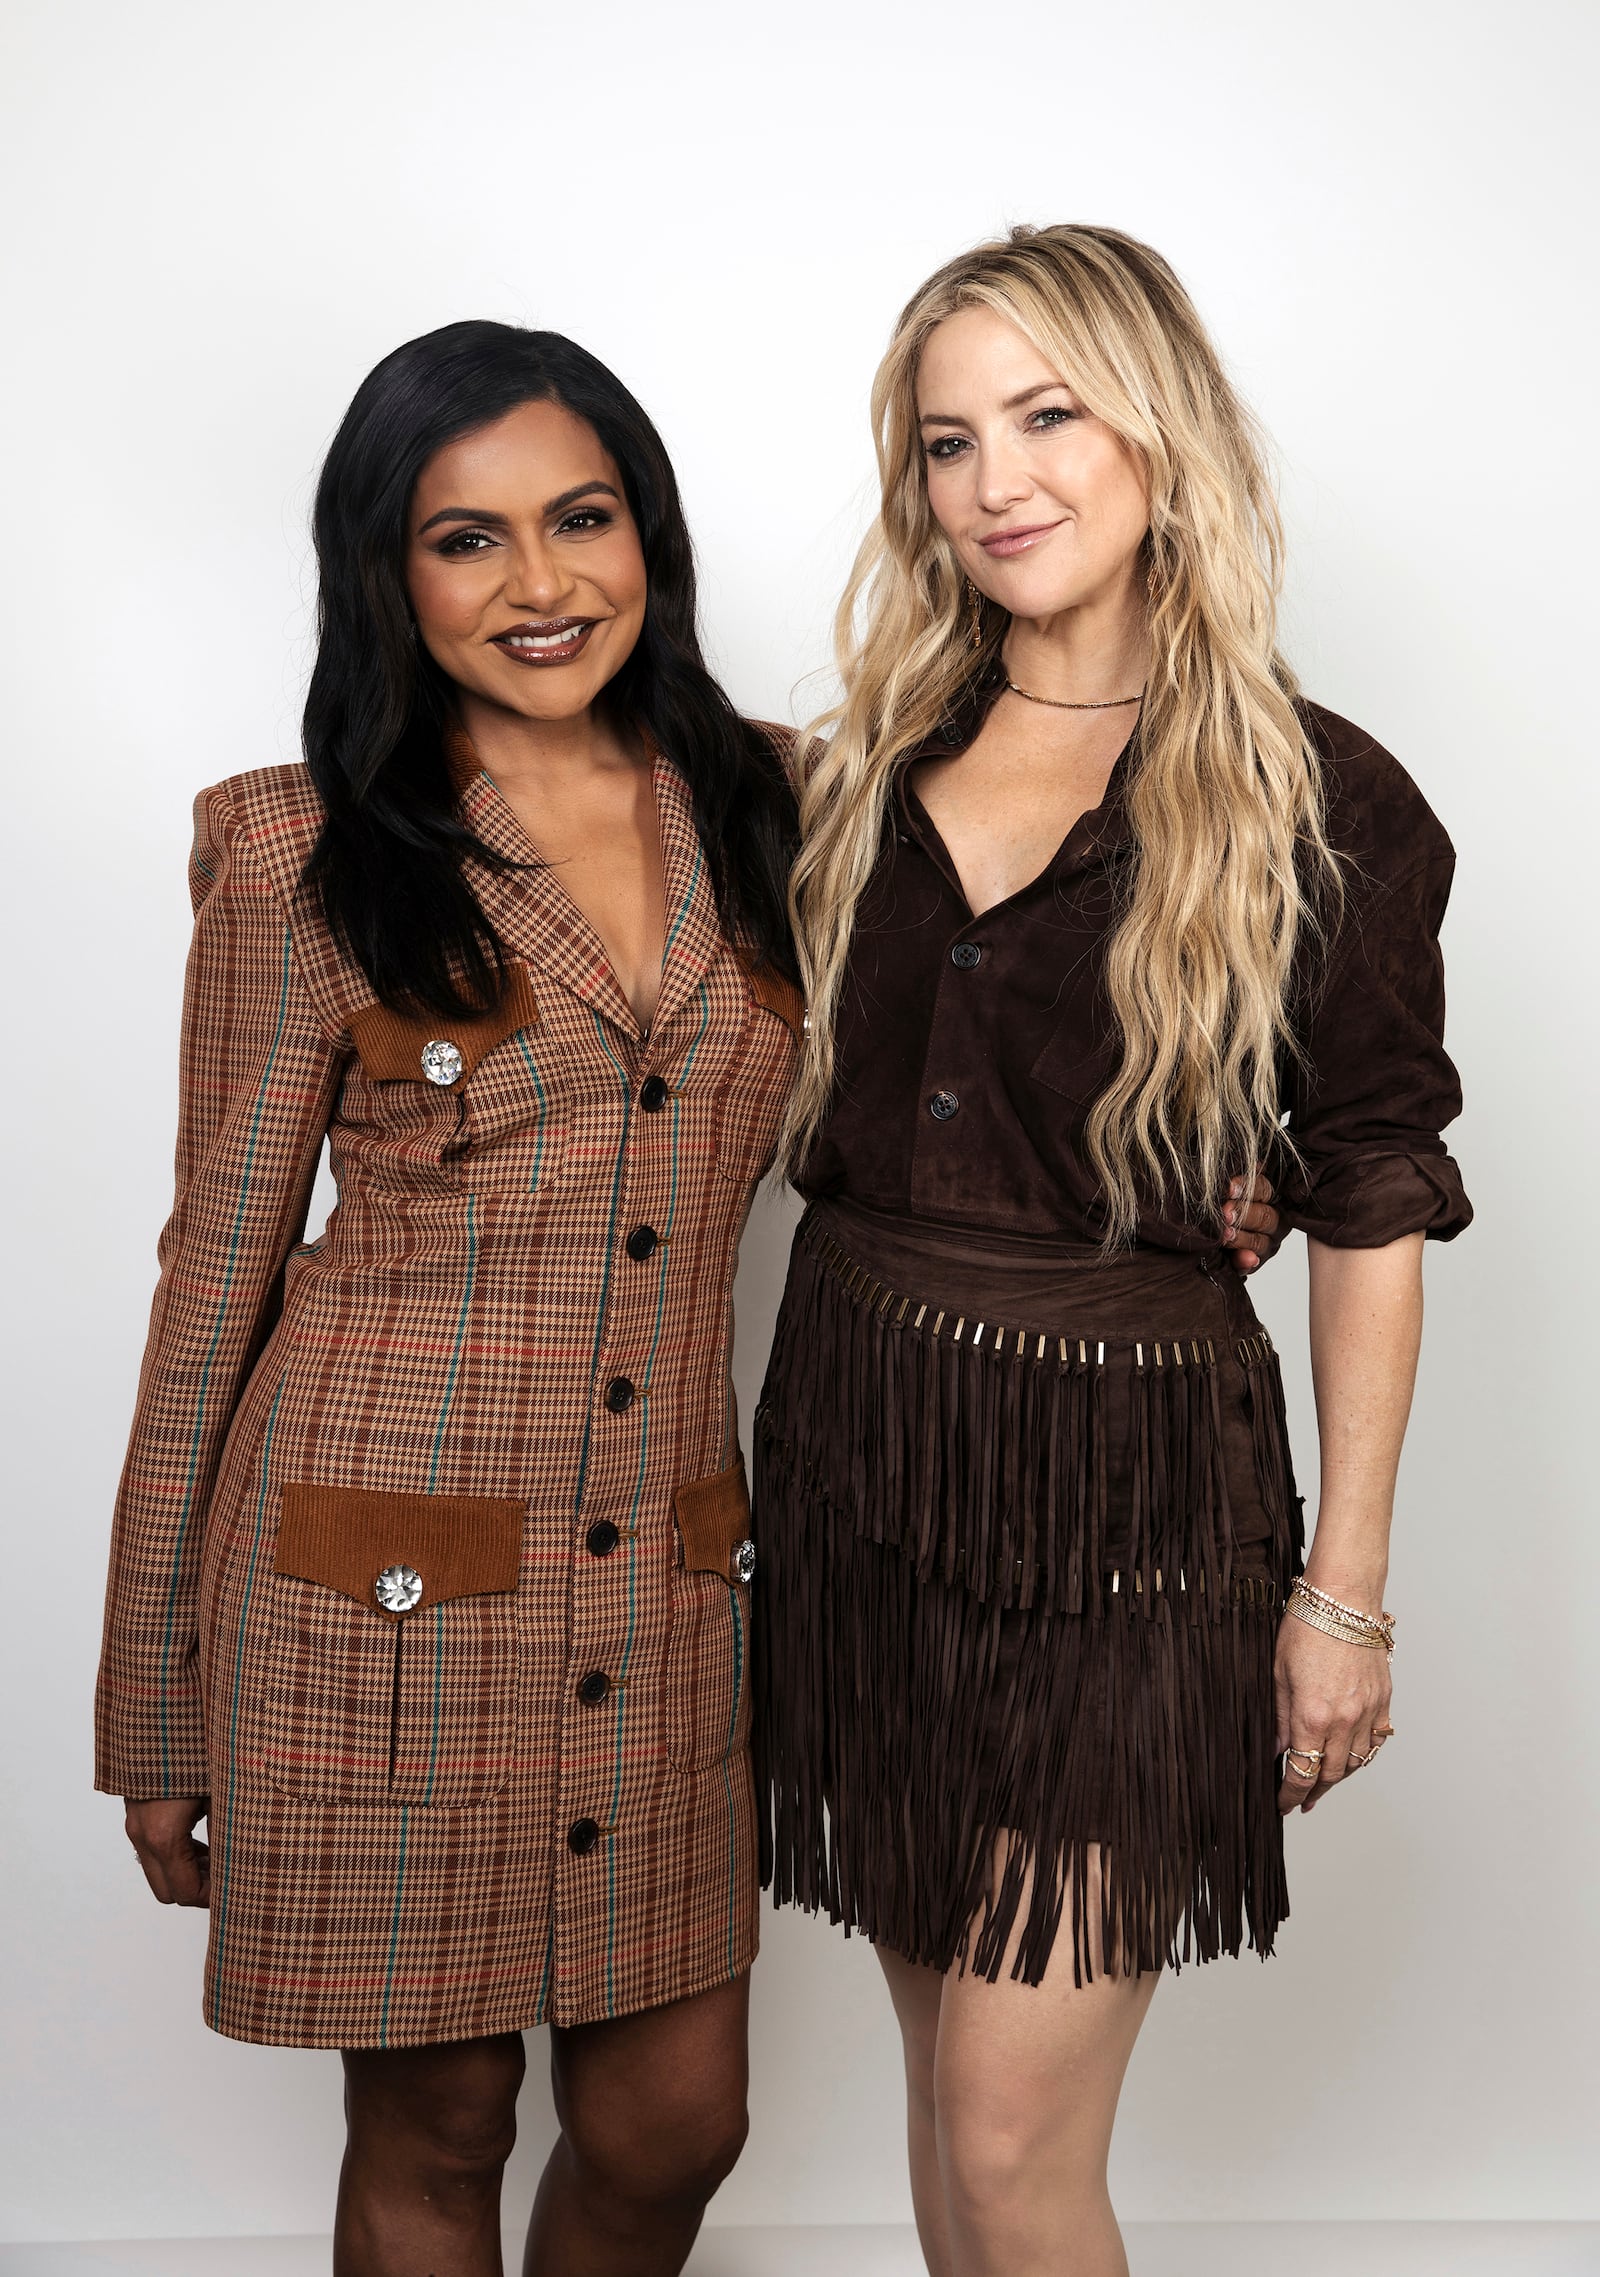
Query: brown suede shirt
[(970, 1049)]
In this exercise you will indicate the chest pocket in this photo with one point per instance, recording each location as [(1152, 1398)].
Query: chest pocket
[(750, 1109), (450, 1091), (1080, 1054)]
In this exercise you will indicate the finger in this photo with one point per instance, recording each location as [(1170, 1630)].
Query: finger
[(155, 1873), (1336, 1750), (1302, 1767), (189, 1875), (1245, 1261), (1257, 1217)]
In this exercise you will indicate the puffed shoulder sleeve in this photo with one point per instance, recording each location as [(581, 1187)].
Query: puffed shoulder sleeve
[(258, 1076), (1376, 1088)]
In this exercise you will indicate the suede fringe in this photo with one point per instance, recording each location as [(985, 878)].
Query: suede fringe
[(931, 1499)]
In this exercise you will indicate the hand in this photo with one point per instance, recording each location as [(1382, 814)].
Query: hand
[(177, 1867), (1250, 1223), (1330, 1695)]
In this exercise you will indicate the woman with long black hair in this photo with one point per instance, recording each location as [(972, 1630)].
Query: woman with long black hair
[(429, 1584)]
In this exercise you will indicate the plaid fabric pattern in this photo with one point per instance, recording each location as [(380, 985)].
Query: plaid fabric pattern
[(390, 1802)]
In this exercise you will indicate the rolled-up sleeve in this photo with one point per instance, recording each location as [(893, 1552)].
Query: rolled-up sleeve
[(1376, 1089)]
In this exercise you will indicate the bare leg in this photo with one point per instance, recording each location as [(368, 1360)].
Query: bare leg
[(652, 2111), (1026, 2084), (916, 1993), (430, 2130)]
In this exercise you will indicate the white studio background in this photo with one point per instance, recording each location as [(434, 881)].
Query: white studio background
[(217, 220)]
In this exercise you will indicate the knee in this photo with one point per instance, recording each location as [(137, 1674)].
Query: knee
[(663, 2148), (986, 2156), (449, 2112)]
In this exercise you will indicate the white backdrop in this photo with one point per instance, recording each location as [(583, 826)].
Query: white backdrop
[(218, 219)]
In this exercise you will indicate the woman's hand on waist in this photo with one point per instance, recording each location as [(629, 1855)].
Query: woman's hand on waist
[(1249, 1222)]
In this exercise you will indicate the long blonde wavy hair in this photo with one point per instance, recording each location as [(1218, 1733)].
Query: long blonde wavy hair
[(1229, 852)]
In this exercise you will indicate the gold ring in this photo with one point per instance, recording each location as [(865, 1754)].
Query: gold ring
[(1383, 1731), (1313, 1756)]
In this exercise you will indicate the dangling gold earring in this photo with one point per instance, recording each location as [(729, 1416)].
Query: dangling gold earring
[(974, 618)]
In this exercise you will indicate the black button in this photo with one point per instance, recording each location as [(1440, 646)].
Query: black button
[(642, 1244), (594, 1687), (943, 1105), (653, 1094), (966, 954), (619, 1393), (601, 1539), (582, 1835)]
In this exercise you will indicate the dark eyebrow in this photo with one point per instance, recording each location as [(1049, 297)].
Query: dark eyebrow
[(464, 514), (1011, 403), (580, 490), (556, 505)]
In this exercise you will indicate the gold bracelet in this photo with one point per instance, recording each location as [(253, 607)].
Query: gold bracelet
[(1345, 1631), (1382, 1622)]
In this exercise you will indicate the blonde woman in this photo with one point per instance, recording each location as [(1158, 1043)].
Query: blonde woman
[(1092, 906)]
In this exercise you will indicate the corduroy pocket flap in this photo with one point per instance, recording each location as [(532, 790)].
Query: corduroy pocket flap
[(776, 994), (396, 1048), (714, 1522), (395, 1553)]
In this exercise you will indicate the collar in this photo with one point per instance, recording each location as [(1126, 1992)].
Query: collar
[(538, 921), (1093, 838)]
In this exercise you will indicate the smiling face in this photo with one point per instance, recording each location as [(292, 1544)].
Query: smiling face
[(1045, 507), (524, 565)]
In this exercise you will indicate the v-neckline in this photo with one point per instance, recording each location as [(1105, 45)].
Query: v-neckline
[(1089, 822), (539, 917)]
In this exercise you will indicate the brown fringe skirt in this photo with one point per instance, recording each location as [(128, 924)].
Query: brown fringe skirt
[(1026, 1520)]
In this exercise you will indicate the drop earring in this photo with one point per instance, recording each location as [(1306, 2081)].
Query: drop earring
[(974, 618)]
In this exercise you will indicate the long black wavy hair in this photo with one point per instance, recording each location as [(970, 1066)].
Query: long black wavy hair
[(390, 862)]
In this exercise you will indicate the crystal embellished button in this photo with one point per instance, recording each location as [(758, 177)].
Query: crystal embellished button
[(441, 1061), (399, 1588), (744, 1561)]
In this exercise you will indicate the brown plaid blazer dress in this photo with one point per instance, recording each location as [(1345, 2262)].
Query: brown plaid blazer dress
[(430, 1562)]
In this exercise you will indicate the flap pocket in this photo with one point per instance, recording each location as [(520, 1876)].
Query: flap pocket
[(394, 1553), (395, 1048), (714, 1524)]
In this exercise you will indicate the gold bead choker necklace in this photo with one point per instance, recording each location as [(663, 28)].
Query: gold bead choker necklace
[(1106, 703)]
